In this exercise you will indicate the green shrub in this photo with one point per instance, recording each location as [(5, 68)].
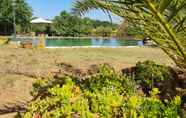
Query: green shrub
[(151, 107), (104, 95), (148, 73), (108, 79)]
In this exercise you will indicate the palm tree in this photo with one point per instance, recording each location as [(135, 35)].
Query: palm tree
[(164, 21)]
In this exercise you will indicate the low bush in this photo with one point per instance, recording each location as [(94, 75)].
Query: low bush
[(149, 73), (104, 95), (151, 107)]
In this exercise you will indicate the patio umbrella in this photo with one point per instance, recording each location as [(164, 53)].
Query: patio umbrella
[(41, 21)]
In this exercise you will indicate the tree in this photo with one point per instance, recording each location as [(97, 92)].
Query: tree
[(23, 15), (87, 26), (129, 30), (103, 31), (164, 21), (67, 24)]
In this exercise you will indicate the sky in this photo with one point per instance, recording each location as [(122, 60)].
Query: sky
[(48, 9)]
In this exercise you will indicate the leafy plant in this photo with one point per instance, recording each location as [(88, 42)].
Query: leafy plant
[(105, 95), (151, 107), (108, 79), (148, 73)]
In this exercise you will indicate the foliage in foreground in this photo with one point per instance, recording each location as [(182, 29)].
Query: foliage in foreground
[(149, 73), (106, 95)]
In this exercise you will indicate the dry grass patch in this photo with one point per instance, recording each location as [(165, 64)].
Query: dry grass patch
[(39, 61), (14, 90)]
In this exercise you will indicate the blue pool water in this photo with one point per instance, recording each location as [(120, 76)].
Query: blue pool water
[(91, 42)]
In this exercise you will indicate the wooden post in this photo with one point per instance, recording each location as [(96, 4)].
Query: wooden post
[(41, 43), (33, 34)]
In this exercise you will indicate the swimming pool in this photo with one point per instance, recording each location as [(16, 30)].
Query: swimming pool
[(93, 42)]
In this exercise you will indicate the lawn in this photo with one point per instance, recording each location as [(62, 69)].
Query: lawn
[(42, 61)]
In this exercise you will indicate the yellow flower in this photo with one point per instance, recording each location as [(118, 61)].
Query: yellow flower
[(77, 90), (134, 114), (133, 101), (155, 91), (166, 101), (141, 116), (177, 100)]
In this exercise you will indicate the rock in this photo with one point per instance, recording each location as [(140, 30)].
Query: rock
[(26, 44), (93, 69)]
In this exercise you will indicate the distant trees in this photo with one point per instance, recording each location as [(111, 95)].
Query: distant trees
[(103, 31), (67, 24), (23, 16), (133, 30), (129, 30)]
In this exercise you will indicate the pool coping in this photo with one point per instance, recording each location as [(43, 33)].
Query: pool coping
[(55, 47)]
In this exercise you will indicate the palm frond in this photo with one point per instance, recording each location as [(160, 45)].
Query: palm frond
[(162, 20)]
